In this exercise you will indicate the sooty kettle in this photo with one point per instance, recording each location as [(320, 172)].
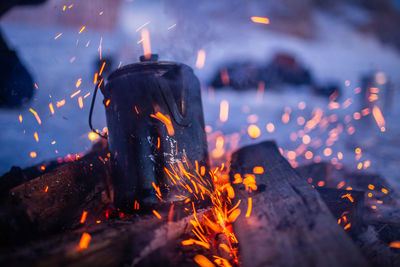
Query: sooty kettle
[(155, 120)]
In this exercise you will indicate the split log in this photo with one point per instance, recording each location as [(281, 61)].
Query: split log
[(17, 176), (289, 224), (132, 241), (56, 200)]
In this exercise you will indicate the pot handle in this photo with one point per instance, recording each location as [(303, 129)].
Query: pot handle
[(98, 85)]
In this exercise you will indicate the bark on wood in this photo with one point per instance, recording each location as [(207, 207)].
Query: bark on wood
[(133, 241), (17, 176), (289, 224), (71, 188)]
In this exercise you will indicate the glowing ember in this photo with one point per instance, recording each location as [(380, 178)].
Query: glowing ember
[(258, 170), (102, 68), (60, 103), (371, 187), (36, 116), (308, 155), (81, 30), (166, 120), (201, 59), (349, 197), (58, 35), (85, 240), (253, 131), (250, 204), (394, 244), (270, 127), (347, 226), (340, 185), (83, 217), (78, 83), (51, 108), (76, 93), (327, 152), (36, 137), (306, 139), (203, 261), (80, 102), (157, 214), (171, 27), (261, 20), (380, 120), (93, 136), (223, 111)]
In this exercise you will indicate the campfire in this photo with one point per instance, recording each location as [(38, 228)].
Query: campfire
[(106, 207), (161, 187)]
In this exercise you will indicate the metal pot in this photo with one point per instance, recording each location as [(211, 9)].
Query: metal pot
[(155, 120)]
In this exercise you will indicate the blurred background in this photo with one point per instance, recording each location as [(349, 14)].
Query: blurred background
[(321, 77)]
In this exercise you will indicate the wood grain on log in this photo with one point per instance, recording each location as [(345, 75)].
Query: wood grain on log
[(289, 224)]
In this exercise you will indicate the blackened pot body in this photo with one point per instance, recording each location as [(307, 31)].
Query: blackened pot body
[(155, 120)]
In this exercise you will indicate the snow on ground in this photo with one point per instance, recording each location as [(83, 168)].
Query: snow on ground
[(338, 53)]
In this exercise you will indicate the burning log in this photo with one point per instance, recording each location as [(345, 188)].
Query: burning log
[(289, 224), (135, 241), (283, 215), (57, 199)]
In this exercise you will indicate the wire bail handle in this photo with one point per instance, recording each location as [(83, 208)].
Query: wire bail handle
[(98, 85)]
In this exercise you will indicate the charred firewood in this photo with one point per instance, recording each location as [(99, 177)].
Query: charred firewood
[(289, 223), (128, 241), (57, 199), (17, 176)]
